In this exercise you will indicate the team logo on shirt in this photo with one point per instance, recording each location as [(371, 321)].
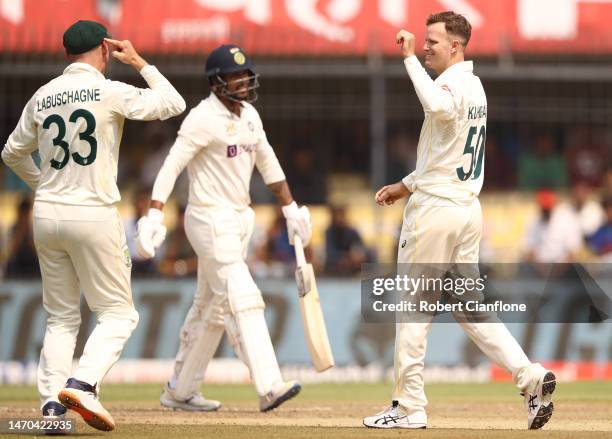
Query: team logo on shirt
[(230, 129), (232, 150)]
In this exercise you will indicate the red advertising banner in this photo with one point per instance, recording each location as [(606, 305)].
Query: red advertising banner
[(310, 27)]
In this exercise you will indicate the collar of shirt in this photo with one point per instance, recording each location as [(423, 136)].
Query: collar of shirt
[(463, 66), (80, 67), (221, 109)]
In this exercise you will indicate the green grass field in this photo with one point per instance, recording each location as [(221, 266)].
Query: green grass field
[(335, 410)]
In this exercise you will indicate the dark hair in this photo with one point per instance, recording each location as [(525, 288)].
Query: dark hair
[(454, 24)]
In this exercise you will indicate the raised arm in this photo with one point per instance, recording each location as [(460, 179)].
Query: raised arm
[(434, 98), (159, 101)]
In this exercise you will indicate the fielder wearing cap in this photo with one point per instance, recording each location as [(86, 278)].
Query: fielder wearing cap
[(83, 36), (76, 121)]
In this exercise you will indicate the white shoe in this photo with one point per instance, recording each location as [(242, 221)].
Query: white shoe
[(83, 399), (284, 392), (195, 403), (539, 404), (393, 417)]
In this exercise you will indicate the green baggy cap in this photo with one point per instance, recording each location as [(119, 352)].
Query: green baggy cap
[(83, 36)]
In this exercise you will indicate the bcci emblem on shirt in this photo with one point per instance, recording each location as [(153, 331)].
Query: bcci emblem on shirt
[(232, 150)]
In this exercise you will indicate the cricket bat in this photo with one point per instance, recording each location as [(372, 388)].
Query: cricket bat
[(312, 315)]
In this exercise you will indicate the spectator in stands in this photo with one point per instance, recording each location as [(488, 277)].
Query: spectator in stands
[(22, 260), (344, 248), (600, 243), (274, 252), (500, 171), (140, 265), (158, 140), (271, 254), (542, 168), (179, 259), (552, 237), (585, 157), (306, 178), (277, 246), (401, 156), (587, 211)]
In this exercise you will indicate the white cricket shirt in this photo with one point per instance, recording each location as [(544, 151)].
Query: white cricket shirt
[(220, 150), (450, 153), (76, 122)]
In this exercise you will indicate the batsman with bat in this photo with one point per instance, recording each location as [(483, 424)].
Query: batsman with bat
[(220, 142), (443, 219)]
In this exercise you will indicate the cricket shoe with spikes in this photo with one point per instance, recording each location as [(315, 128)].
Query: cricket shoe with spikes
[(394, 417), (83, 399), (195, 403), (54, 411), (283, 392), (539, 404)]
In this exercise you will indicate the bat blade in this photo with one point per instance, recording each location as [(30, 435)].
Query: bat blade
[(314, 322)]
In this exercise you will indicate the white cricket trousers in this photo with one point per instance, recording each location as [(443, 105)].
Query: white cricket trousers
[(82, 248), (436, 231), (226, 299)]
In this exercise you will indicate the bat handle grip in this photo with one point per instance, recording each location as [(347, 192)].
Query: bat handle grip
[(300, 258)]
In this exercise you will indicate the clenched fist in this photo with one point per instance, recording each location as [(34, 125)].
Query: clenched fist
[(406, 41)]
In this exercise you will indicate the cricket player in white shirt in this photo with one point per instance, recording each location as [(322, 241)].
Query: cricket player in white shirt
[(220, 142), (443, 219), (76, 121)]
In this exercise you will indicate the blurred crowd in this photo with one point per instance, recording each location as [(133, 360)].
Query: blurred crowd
[(270, 253), (575, 227), (574, 230), (567, 172)]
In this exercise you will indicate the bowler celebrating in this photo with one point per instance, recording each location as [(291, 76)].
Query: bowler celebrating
[(443, 219)]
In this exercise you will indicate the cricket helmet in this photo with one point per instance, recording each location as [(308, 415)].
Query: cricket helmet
[(230, 58)]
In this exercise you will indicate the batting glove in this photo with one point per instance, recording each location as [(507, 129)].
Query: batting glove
[(298, 222), (150, 233)]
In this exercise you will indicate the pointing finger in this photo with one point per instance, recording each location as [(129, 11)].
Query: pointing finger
[(113, 42)]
